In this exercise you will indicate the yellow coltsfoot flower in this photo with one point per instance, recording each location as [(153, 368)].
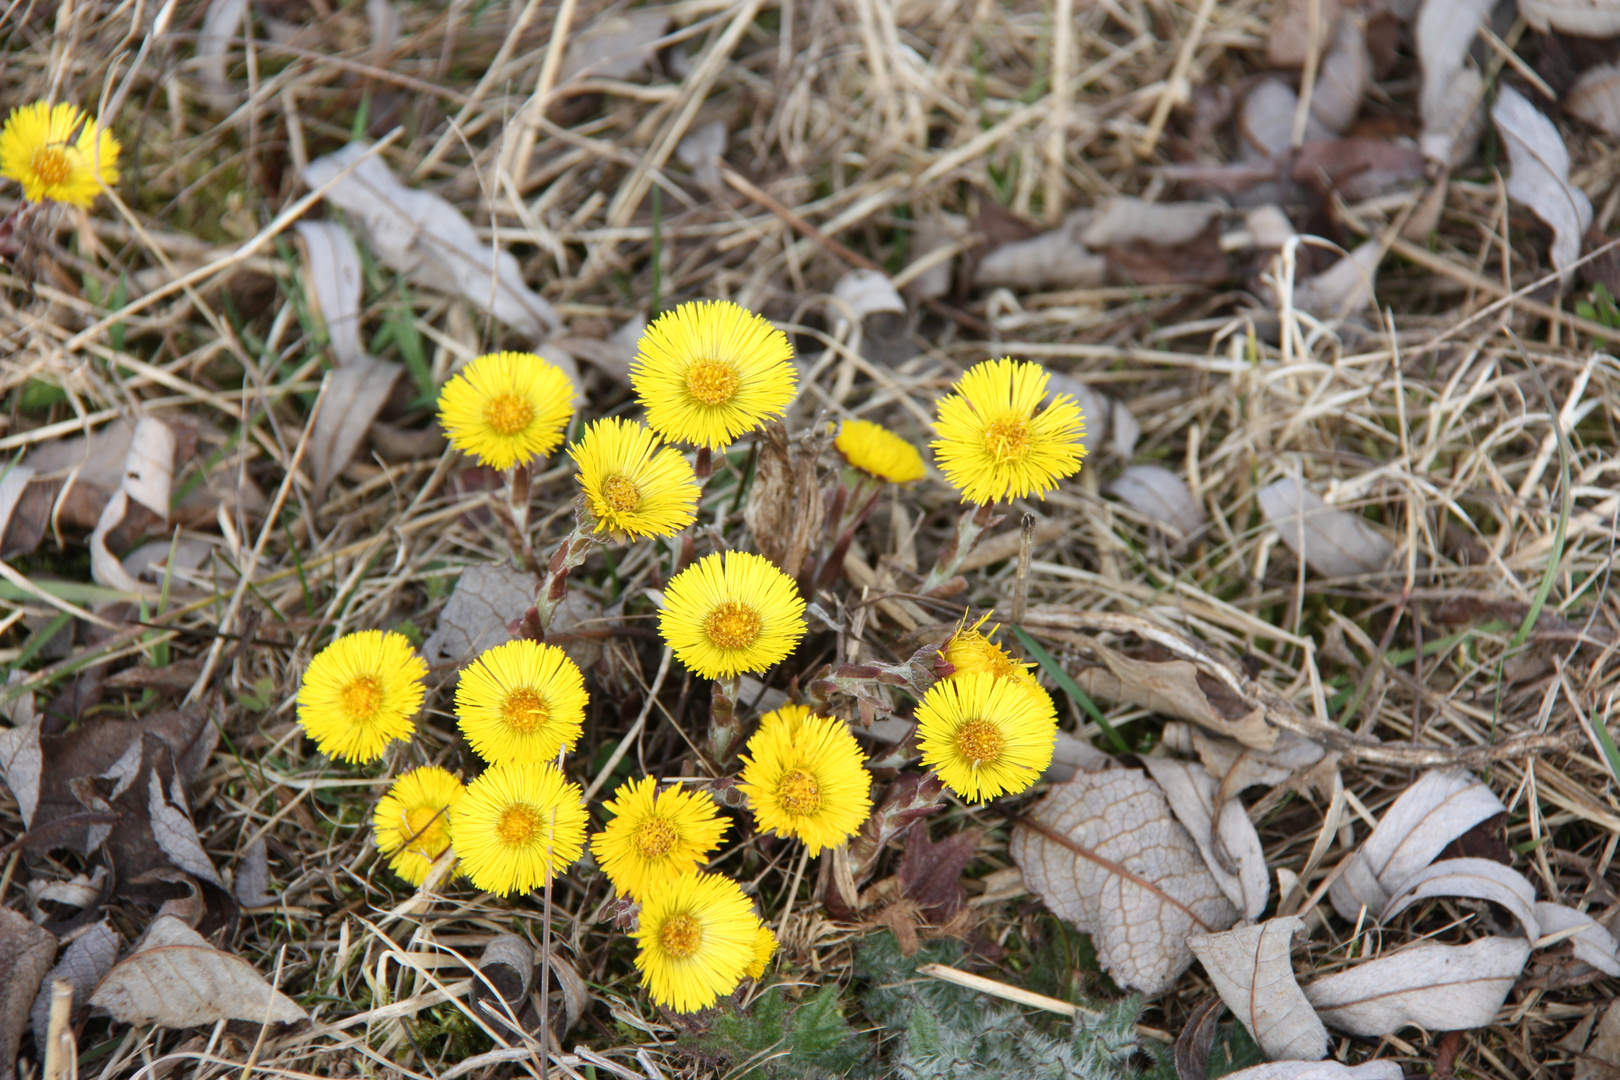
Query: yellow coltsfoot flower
[(57, 154), (764, 949), (874, 449), (412, 822), (361, 693), (697, 940), (986, 736), (730, 613), (634, 487), (517, 826), (709, 371), (996, 442), (506, 408), (805, 778), (655, 837), (521, 702)]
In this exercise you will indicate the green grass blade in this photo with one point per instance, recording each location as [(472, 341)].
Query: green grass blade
[(1050, 665)]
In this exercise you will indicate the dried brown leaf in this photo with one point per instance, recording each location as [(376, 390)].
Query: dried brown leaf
[(1591, 943), (1477, 879), (1290, 40), (1539, 177), (785, 509), (1321, 1070), (355, 393), (332, 284), (1334, 543), (1161, 496), (1252, 968), (1437, 987), (1601, 1058), (931, 873), (25, 957), (84, 962), (1170, 688)]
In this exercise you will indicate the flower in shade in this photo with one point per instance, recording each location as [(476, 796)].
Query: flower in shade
[(764, 949), (731, 613), (360, 693), (634, 487), (985, 736), (412, 822), (996, 442), (805, 778), (697, 940), (709, 370), (57, 153), (875, 449), (516, 826), (655, 837), (506, 408), (521, 702)]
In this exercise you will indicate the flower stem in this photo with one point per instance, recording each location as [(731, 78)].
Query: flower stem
[(969, 527), (517, 501), (724, 726), (572, 552)]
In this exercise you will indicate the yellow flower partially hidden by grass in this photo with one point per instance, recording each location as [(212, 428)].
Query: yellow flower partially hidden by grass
[(995, 442), (360, 693), (709, 370), (806, 778), (764, 949), (875, 449), (57, 154), (516, 826), (731, 613), (985, 736), (634, 487), (697, 939), (506, 408), (412, 822), (971, 652), (655, 837), (520, 703)]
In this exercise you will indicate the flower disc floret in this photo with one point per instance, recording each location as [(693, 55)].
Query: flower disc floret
[(516, 826), (803, 776), (697, 938), (730, 613), (654, 837), (986, 736), (506, 408), (634, 486), (412, 821), (521, 703), (996, 442), (875, 449), (57, 154), (709, 371), (361, 693)]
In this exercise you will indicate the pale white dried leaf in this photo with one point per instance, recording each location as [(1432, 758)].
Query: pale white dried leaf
[(149, 465), (1226, 839), (1070, 755), (1237, 766), (425, 237), (1592, 944), (84, 962), (1476, 879), (175, 833), (1539, 177), (1052, 260), (1579, 18), (22, 764), (1442, 35), (175, 979), (1320, 1070), (1290, 40), (1124, 871), (866, 292), (332, 283), (105, 567), (80, 891), (1270, 226), (1265, 122), (1334, 543), (1254, 974), (935, 231), (617, 45), (1439, 807), (96, 458), (382, 19), (485, 601), (221, 23), (1122, 221), (1454, 121), (1595, 97), (1127, 429), (702, 150), (1344, 288), (1437, 987), (355, 394), (1342, 80), (12, 485), (1161, 496), (251, 885)]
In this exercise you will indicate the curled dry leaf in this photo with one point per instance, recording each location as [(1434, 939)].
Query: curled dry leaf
[(175, 979), (1595, 97), (1265, 123), (251, 886), (84, 962), (1127, 429), (221, 24), (25, 957), (1225, 838), (1052, 260), (1251, 968), (1342, 81), (1592, 944), (147, 474), (1161, 496), (1578, 18), (938, 230), (1334, 543), (1344, 288), (1237, 766), (332, 283), (1434, 811), (1320, 1070), (1540, 174), (1451, 90), (1477, 879), (355, 394), (1103, 851), (1438, 987)]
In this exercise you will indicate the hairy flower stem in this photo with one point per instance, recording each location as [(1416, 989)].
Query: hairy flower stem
[(724, 725), (969, 527), (572, 552), (517, 503)]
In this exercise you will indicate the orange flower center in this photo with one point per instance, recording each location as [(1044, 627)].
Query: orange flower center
[(681, 935), (509, 414), (732, 625), (424, 831), (519, 824), (524, 710), (51, 165), (711, 382), (799, 793), (1007, 439), (980, 741), (621, 493), (654, 838), (361, 698)]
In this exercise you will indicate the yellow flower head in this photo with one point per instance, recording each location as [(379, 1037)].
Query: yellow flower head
[(993, 443), (986, 736), (655, 838), (412, 823), (764, 949), (57, 153), (731, 613), (971, 652), (520, 703), (360, 693), (697, 940), (506, 408), (708, 371), (875, 449), (516, 826), (634, 487), (805, 778)]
